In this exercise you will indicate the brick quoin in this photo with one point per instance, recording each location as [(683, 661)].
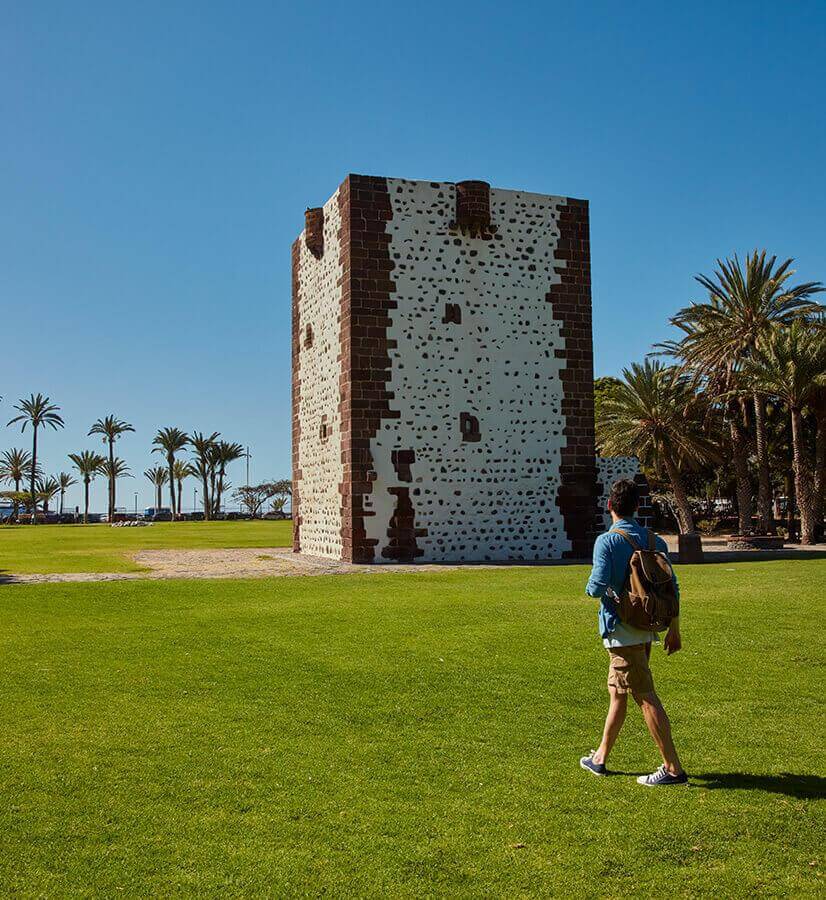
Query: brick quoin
[(571, 304), (366, 302), (296, 391)]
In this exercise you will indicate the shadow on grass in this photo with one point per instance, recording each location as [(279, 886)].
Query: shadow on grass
[(809, 787), (806, 787)]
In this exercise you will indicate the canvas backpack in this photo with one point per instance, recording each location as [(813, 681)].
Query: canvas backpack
[(649, 598)]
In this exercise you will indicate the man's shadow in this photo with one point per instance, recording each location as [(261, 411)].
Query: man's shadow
[(806, 787)]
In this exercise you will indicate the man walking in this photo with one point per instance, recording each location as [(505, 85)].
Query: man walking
[(629, 648)]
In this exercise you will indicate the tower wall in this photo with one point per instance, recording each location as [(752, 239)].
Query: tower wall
[(316, 353), (464, 379)]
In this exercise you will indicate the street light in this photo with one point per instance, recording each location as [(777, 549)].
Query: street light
[(136, 504), (194, 499)]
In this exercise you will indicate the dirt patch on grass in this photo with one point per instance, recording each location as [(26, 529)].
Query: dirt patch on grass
[(252, 562)]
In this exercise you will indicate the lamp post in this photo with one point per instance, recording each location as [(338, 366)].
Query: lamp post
[(194, 499), (136, 504)]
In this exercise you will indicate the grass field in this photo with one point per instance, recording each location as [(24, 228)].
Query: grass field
[(100, 548), (397, 735)]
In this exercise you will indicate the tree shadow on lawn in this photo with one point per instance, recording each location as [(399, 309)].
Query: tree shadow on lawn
[(808, 787)]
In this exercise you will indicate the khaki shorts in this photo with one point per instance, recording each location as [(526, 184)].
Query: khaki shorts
[(628, 669)]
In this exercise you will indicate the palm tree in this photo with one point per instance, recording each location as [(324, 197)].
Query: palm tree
[(725, 331), (65, 480), (170, 441), (112, 470), (791, 365), (158, 475), (38, 412), (111, 428), (15, 466), (88, 464), (655, 414), (224, 453), (204, 467), (182, 470), (47, 490)]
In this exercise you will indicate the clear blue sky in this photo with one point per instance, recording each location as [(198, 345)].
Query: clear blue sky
[(156, 160)]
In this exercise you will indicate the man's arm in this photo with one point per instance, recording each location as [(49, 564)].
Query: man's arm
[(672, 642), (600, 571)]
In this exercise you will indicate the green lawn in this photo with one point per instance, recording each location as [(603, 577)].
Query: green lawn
[(398, 735), (100, 548)]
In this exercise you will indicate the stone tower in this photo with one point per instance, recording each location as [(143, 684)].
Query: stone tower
[(443, 375)]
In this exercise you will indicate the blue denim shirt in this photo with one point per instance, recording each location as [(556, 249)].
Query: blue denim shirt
[(612, 554)]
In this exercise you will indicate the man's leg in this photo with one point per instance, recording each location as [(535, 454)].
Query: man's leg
[(613, 724), (660, 727)]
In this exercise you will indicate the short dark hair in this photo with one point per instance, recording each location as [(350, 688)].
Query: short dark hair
[(625, 497)]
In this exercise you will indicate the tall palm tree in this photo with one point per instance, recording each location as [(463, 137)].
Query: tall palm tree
[(111, 428), (158, 475), (182, 470), (224, 454), (112, 470), (655, 414), (203, 467), (65, 480), (791, 365), (88, 464), (170, 441), (15, 466), (39, 412), (47, 490), (722, 333)]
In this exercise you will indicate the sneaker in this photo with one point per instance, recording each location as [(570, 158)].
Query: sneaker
[(662, 778), (594, 768)]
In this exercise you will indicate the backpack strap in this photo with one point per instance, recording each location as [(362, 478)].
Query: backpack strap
[(628, 538), (652, 540)]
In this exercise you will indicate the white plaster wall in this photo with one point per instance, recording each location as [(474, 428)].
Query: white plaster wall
[(493, 499), (319, 369), (609, 470)]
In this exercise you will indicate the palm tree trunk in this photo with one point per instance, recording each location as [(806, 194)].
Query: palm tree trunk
[(180, 491), (86, 481), (680, 497), (60, 511), (739, 448), (111, 480), (219, 491), (820, 463), (207, 498), (34, 470), (16, 507), (791, 501), (764, 488), (158, 497), (802, 477), (171, 461)]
